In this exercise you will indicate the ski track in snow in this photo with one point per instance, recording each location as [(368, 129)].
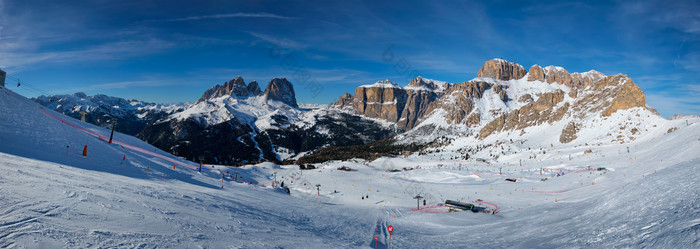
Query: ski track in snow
[(52, 197)]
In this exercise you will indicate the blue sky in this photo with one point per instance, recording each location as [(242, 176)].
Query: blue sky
[(172, 51)]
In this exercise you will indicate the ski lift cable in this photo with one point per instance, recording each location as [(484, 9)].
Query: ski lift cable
[(28, 85), (34, 88)]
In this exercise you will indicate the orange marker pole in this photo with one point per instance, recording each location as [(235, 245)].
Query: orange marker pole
[(173, 166), (85, 150), (147, 167)]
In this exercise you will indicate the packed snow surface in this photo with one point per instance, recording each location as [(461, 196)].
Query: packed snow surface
[(127, 194)]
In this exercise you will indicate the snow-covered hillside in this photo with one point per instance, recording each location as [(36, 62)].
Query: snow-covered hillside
[(594, 195), (51, 196)]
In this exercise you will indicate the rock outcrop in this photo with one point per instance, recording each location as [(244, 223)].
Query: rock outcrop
[(501, 69), (582, 80), (254, 89), (535, 73), (458, 101), (557, 75), (234, 87), (626, 95), (525, 98), (501, 91), (568, 134), (280, 89), (384, 100), (534, 113), (610, 94), (343, 101), (419, 95)]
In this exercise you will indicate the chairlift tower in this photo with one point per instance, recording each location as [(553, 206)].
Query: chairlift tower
[(111, 135), (201, 160), (82, 115), (418, 197)]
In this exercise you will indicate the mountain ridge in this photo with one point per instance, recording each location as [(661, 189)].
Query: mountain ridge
[(480, 101), (503, 99)]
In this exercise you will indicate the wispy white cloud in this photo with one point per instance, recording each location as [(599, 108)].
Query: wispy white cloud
[(669, 103), (281, 42), (114, 85), (264, 75), (434, 62), (20, 57), (223, 16)]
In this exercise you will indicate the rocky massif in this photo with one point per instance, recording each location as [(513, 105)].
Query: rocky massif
[(236, 123), (236, 87), (387, 101), (504, 97)]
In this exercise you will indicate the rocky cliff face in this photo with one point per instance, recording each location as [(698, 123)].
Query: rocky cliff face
[(536, 73), (384, 100), (610, 94), (561, 76), (281, 90), (419, 94), (582, 80), (557, 75), (459, 102), (545, 109), (254, 89), (236, 87), (344, 101), (501, 70)]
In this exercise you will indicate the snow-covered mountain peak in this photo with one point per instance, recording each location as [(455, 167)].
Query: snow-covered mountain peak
[(280, 89), (236, 87), (552, 68), (423, 84), (382, 84)]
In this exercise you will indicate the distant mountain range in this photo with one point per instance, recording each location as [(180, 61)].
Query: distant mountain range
[(132, 116), (237, 122)]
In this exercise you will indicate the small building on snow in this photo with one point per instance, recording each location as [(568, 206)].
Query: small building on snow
[(2, 78)]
